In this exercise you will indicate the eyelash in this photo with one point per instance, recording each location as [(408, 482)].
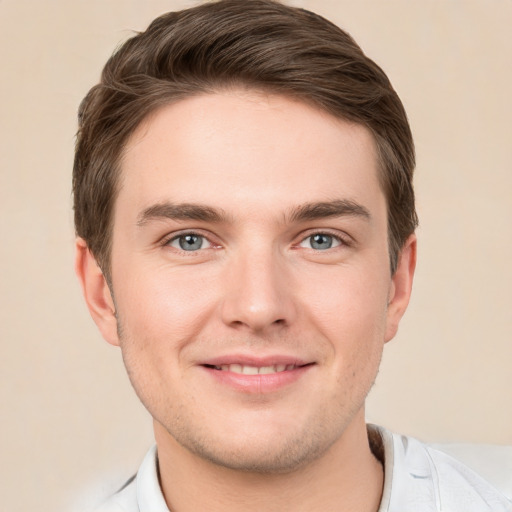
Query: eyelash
[(166, 241), (343, 240)]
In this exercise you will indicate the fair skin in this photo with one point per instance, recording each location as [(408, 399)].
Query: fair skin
[(252, 298)]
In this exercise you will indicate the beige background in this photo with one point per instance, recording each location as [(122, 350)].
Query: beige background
[(69, 418)]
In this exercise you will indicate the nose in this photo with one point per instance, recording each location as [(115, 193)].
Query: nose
[(258, 293)]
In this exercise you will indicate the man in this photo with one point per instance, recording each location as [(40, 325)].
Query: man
[(245, 219)]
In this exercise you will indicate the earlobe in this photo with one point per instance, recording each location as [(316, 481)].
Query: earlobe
[(96, 292), (401, 287)]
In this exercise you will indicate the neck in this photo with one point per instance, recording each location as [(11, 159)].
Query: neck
[(347, 477)]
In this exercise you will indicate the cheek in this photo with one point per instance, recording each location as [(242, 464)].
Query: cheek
[(164, 305), (348, 302), (351, 316)]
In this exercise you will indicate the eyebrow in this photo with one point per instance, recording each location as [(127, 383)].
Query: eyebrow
[(182, 211), (321, 210), (302, 213)]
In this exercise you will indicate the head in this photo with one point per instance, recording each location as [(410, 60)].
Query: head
[(245, 215), (260, 45)]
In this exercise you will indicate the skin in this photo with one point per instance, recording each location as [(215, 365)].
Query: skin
[(250, 168)]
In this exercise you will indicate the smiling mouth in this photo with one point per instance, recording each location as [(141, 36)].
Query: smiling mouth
[(244, 369)]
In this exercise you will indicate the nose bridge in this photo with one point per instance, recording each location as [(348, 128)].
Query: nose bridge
[(258, 290)]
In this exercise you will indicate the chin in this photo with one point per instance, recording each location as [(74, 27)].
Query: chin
[(283, 458), (258, 450)]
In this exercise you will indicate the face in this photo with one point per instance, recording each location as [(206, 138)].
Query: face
[(250, 276)]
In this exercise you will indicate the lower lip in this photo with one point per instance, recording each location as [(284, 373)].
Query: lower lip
[(258, 384)]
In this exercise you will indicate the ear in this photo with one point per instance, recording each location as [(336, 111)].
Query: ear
[(401, 286), (96, 292)]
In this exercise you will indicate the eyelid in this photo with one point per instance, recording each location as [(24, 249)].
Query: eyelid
[(342, 237), (205, 243), (167, 239), (306, 243)]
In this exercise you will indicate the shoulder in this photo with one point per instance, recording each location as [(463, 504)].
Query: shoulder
[(460, 486), (124, 500), (140, 493), (425, 479), (491, 462)]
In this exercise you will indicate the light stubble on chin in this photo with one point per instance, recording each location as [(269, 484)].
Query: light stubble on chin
[(289, 454)]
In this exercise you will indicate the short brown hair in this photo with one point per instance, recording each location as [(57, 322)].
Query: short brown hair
[(259, 44)]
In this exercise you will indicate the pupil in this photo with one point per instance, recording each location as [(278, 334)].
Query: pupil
[(321, 242), (190, 242)]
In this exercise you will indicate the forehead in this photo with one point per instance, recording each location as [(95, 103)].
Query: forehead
[(247, 148)]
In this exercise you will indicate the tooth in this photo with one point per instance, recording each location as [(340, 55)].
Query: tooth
[(250, 370), (254, 370)]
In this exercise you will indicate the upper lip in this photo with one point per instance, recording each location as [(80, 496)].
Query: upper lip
[(257, 361)]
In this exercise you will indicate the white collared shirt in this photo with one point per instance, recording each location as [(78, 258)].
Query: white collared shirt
[(417, 478)]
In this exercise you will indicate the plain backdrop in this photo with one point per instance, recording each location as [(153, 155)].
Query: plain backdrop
[(70, 421)]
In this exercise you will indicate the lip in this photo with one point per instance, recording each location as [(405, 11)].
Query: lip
[(252, 360), (257, 383)]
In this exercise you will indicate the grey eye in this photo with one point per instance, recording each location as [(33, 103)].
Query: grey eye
[(320, 242), (190, 242)]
